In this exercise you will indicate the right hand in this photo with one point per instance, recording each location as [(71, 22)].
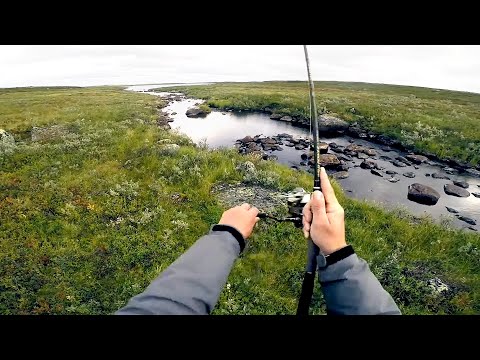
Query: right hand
[(323, 218)]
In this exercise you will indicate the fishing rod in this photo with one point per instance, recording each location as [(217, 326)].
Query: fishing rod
[(297, 201)]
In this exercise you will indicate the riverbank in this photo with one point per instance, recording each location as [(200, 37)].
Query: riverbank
[(440, 124), (99, 196)]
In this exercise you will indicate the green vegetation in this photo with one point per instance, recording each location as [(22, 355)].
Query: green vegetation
[(205, 108), (94, 211), (443, 122)]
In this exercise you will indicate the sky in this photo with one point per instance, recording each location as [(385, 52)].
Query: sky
[(455, 67)]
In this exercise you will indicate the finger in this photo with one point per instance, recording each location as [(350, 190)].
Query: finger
[(306, 229), (318, 208), (257, 220), (327, 190), (306, 220), (245, 206), (307, 212), (253, 210)]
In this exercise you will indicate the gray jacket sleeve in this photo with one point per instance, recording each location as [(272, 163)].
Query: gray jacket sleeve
[(192, 284), (350, 288)]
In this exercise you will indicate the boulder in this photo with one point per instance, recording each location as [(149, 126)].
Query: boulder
[(286, 118), (247, 139), (362, 156), (423, 194), (455, 190), (410, 175), (398, 163), (340, 175), (391, 172), (467, 220), (462, 184), (276, 116), (440, 176), (451, 210), (344, 157), (7, 142), (369, 152), (327, 161), (393, 179), (323, 147), (404, 160), (331, 124), (417, 159), (195, 112), (169, 149), (473, 172), (247, 167), (450, 170), (368, 164)]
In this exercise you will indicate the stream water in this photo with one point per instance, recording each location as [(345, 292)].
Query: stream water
[(222, 129)]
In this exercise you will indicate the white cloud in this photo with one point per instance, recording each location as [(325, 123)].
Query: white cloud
[(450, 67)]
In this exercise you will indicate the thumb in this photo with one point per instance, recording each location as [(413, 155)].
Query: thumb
[(317, 206)]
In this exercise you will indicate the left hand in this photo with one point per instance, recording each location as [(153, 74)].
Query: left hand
[(243, 218)]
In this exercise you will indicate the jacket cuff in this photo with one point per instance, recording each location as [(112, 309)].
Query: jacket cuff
[(236, 234), (338, 270)]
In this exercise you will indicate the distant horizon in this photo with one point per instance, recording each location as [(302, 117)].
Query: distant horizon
[(446, 67), (220, 82)]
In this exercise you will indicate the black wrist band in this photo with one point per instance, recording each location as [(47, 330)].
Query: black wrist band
[(340, 255), (236, 234)]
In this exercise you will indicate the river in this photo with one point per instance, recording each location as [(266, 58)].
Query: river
[(222, 129)]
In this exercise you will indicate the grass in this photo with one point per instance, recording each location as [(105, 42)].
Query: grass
[(90, 216), (445, 123)]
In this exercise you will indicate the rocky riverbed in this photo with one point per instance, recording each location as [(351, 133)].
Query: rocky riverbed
[(368, 166)]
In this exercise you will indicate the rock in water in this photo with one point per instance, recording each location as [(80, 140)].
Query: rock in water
[(410, 175), (462, 184), (394, 179), (391, 172), (323, 147), (454, 190), (451, 210), (362, 156), (376, 172), (398, 163), (423, 194), (467, 220), (276, 116), (368, 164), (340, 175), (417, 159), (247, 139), (328, 161), (286, 118), (440, 176), (472, 228), (195, 112), (473, 172), (331, 124), (477, 195)]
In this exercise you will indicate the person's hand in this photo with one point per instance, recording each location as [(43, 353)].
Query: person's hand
[(243, 218), (323, 218)]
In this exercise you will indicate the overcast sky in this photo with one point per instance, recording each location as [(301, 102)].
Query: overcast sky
[(449, 67)]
